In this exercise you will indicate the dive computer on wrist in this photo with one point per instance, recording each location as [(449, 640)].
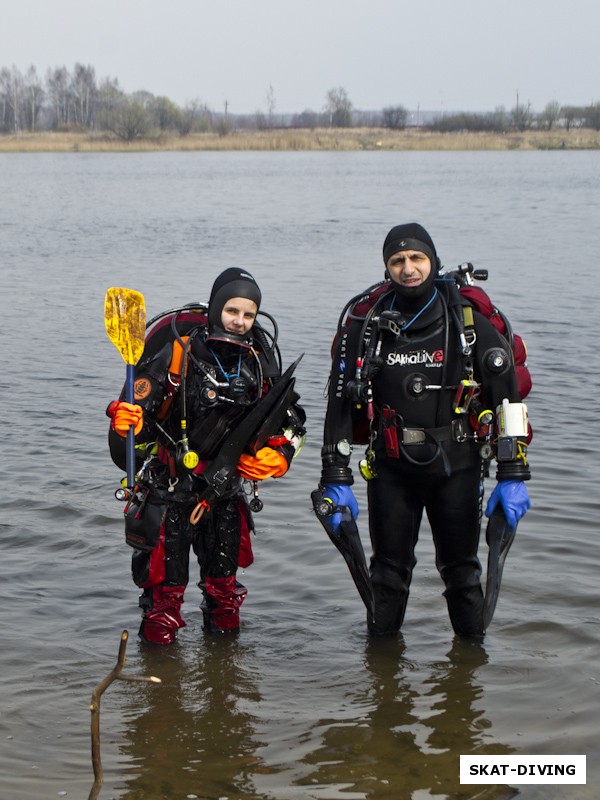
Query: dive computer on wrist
[(342, 448)]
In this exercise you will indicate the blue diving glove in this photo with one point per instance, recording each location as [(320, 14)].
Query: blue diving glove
[(514, 499), (340, 495)]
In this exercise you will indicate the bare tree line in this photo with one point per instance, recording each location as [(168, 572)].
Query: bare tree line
[(67, 101), (64, 101)]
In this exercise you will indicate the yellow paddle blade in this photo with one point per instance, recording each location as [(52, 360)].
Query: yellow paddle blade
[(125, 320)]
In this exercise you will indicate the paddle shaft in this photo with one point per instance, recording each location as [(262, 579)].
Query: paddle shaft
[(130, 445)]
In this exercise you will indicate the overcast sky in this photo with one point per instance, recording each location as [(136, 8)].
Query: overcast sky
[(471, 55)]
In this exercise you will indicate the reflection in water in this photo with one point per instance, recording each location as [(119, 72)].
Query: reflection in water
[(416, 722), (193, 736)]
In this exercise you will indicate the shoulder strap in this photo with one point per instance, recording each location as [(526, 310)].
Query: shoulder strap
[(482, 303), (360, 307)]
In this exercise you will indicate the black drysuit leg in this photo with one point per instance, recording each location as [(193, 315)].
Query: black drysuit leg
[(454, 519), (396, 502), (217, 546), (394, 520)]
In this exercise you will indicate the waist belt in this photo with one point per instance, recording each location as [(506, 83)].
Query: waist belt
[(395, 435), (454, 432)]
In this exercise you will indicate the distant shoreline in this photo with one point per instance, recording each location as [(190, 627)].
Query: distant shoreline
[(291, 139)]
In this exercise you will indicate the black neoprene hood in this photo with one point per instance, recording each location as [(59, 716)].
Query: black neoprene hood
[(410, 236), (233, 282)]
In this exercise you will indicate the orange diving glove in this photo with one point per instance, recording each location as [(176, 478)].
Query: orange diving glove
[(124, 416), (267, 463)]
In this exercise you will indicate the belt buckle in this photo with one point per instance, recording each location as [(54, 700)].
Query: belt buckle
[(413, 435)]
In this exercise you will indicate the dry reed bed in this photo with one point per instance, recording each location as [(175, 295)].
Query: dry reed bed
[(297, 139)]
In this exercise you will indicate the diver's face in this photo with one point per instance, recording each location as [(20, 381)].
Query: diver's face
[(238, 315), (409, 268)]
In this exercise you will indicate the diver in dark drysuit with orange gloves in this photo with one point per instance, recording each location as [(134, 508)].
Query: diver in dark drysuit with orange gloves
[(425, 394), (202, 372)]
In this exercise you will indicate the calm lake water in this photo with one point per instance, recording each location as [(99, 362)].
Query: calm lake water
[(301, 704)]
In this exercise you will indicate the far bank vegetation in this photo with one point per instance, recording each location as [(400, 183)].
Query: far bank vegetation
[(66, 111)]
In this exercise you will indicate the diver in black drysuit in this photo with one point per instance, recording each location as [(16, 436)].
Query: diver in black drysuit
[(423, 455), (193, 369)]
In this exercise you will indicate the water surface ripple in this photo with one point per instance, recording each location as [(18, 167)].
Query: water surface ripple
[(302, 704)]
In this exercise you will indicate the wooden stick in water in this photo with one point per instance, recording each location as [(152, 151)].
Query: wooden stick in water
[(114, 674)]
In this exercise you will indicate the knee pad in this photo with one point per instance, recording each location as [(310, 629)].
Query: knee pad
[(386, 573), (461, 578)]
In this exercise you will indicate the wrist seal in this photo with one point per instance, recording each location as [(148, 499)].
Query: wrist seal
[(336, 473), (512, 471)]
